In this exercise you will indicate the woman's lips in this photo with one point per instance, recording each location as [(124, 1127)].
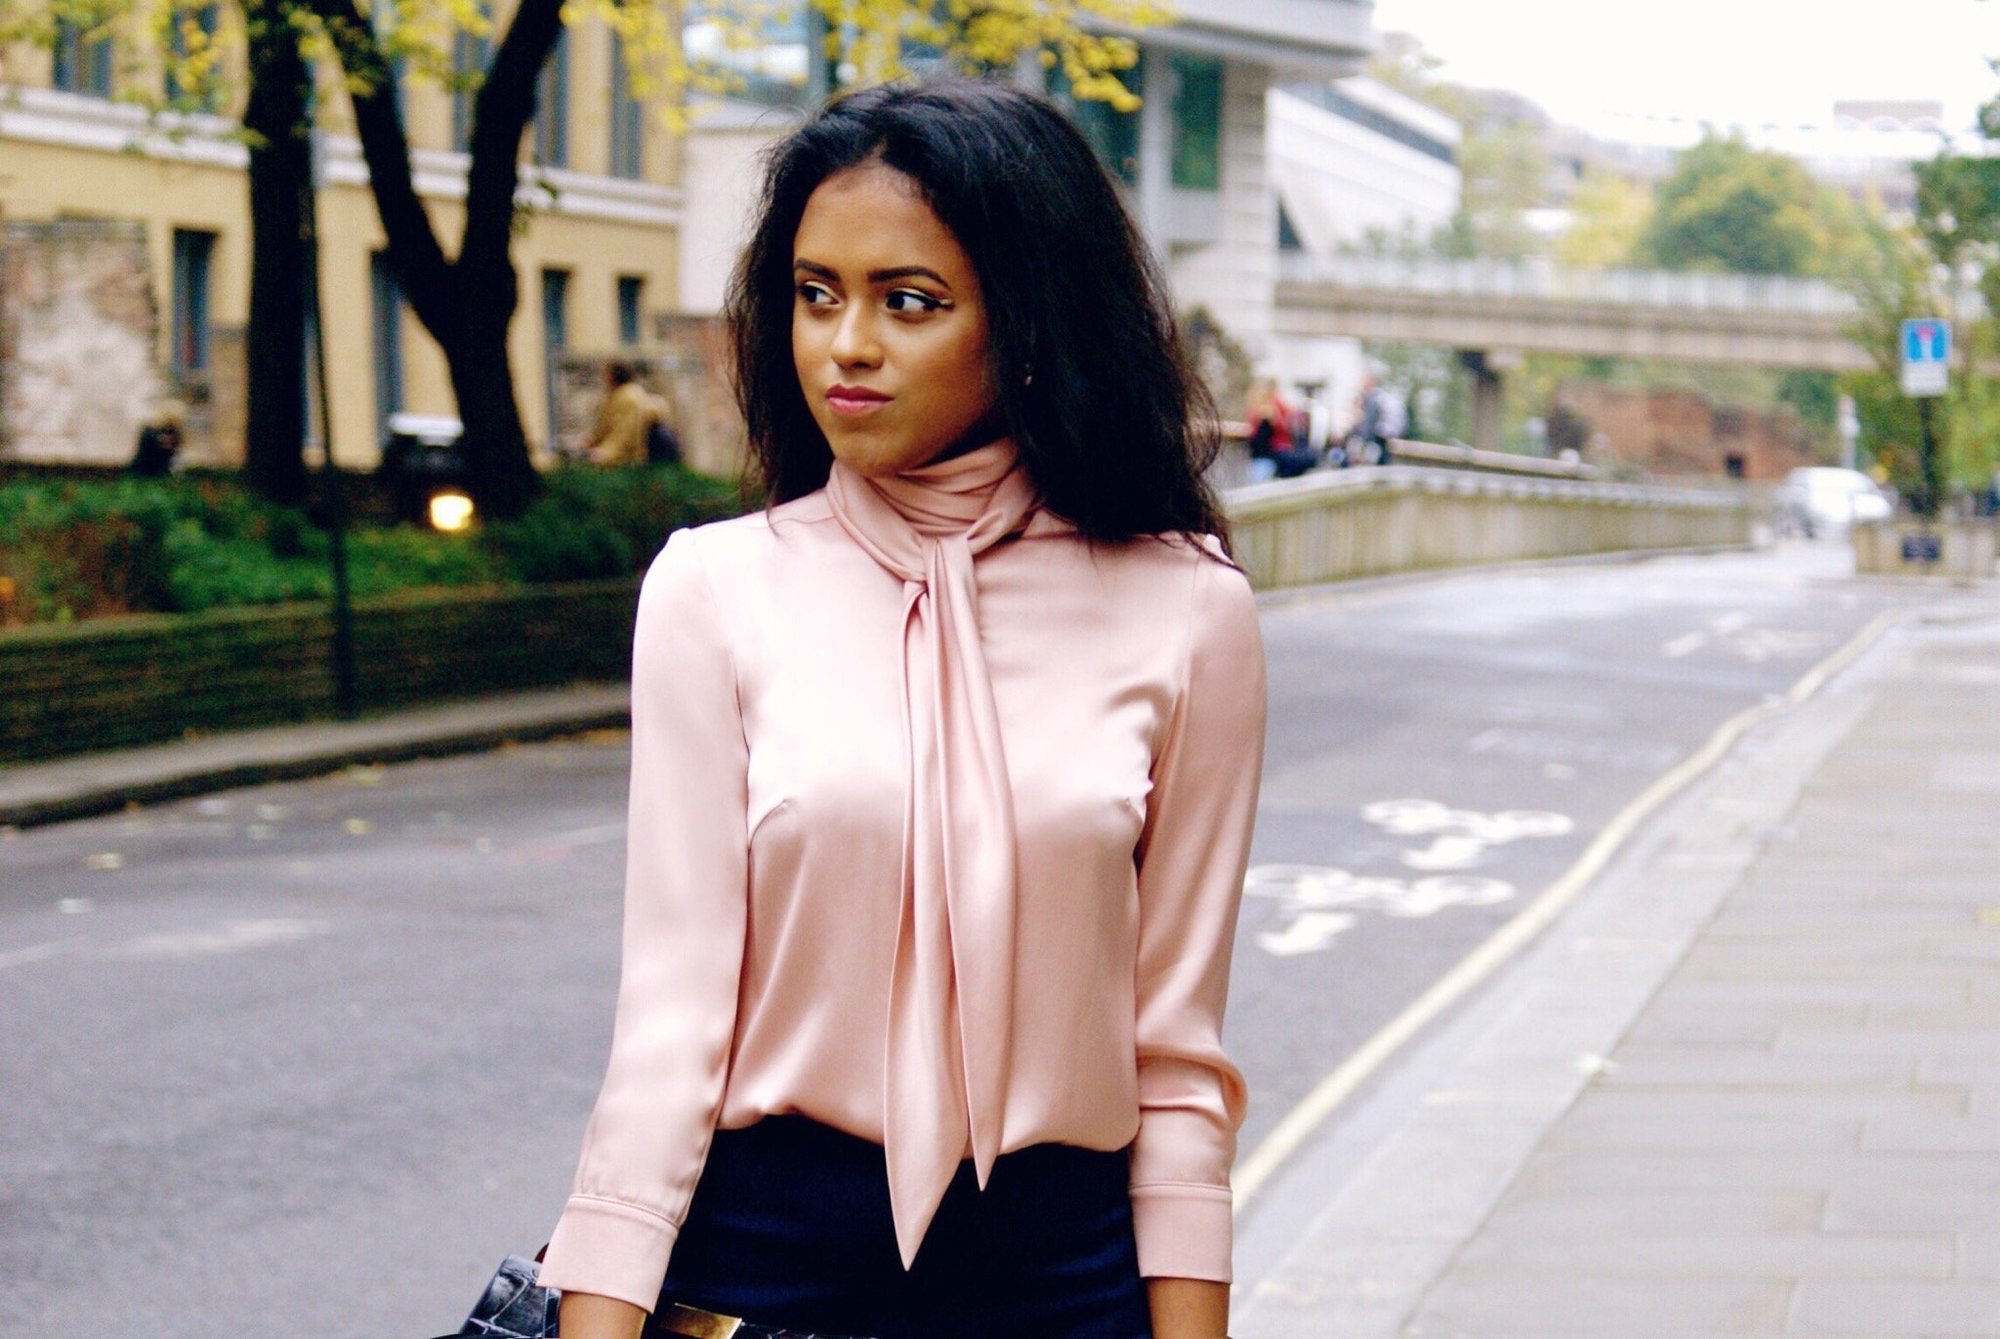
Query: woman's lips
[(848, 401)]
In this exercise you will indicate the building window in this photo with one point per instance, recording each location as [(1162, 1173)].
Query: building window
[(82, 63), (387, 301), (193, 253), (1288, 233), (555, 337), (469, 55), (552, 107), (1197, 123), (627, 126), (1112, 134), (191, 32), (631, 296)]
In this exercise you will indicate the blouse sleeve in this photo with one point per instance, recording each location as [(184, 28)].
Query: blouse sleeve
[(1191, 860), (685, 907)]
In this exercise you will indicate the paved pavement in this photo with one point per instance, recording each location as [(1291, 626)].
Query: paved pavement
[(98, 783), (1750, 1085)]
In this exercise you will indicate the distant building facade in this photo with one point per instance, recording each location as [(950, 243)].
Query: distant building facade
[(600, 178), (1355, 165), (1196, 160)]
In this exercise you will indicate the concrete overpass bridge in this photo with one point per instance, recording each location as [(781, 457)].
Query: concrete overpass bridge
[(1493, 312)]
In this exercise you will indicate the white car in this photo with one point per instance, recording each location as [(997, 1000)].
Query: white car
[(1826, 500)]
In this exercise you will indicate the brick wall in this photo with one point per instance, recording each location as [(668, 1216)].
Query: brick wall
[(1680, 432)]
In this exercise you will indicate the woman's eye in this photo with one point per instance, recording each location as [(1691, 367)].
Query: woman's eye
[(910, 301), (815, 295)]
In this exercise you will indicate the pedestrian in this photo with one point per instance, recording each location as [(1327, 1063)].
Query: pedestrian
[(630, 422), (1384, 418), (943, 773), (1273, 435), (157, 453)]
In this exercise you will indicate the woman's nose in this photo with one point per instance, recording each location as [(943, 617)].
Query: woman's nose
[(854, 341)]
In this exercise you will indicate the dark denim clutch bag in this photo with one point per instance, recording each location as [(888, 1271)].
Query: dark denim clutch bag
[(515, 1306)]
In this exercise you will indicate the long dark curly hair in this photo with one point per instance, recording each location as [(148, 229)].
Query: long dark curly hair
[(1110, 420)]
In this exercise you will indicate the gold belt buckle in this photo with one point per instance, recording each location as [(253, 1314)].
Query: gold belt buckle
[(696, 1323)]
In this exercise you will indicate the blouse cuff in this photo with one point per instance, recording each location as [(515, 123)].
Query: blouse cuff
[(611, 1249), (1183, 1231)]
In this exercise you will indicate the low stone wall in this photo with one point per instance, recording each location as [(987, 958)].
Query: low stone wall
[(1333, 525), (1964, 550), (142, 680)]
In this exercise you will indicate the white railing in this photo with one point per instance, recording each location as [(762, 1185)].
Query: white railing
[(1542, 280)]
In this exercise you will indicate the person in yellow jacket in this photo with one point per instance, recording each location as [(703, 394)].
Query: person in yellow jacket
[(625, 417)]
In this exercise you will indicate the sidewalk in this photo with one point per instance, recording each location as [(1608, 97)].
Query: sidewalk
[(96, 783), (1750, 1085)]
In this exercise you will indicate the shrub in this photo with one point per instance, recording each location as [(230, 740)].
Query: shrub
[(72, 549), (592, 523)]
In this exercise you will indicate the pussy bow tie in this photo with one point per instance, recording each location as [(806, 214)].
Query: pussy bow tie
[(951, 987)]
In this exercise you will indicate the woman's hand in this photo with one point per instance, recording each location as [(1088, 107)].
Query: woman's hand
[(1182, 1309), (589, 1316)]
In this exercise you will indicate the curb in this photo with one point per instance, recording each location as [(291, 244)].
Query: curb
[(68, 790)]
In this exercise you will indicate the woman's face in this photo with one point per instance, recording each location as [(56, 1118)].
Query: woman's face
[(888, 326)]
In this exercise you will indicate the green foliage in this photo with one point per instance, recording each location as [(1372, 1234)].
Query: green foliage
[(1608, 216), (1814, 396), (601, 523), (72, 550), (1730, 207)]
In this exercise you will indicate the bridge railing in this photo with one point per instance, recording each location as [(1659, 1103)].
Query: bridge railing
[(1546, 281)]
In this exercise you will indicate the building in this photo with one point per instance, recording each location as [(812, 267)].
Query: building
[(1195, 159), (597, 260), (1866, 149), (1355, 165)]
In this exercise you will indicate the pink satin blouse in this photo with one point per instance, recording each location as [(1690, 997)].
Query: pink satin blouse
[(938, 825)]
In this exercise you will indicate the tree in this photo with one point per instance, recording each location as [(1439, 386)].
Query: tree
[(1608, 215), (467, 299), (277, 121), (1729, 207)]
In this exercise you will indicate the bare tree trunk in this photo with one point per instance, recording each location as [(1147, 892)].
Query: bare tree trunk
[(468, 303), (278, 118)]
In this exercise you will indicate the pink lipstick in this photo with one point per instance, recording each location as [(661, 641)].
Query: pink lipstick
[(849, 400)]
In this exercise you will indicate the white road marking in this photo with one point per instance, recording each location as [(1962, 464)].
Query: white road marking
[(1728, 623), (591, 836), (1309, 932), (1462, 834), (21, 957), (1685, 645), (229, 937), (1303, 1120), (1309, 894)]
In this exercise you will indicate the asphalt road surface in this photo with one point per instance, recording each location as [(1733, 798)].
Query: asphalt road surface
[(308, 1059)]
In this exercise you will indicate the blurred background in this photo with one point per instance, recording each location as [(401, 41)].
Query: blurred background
[(356, 357)]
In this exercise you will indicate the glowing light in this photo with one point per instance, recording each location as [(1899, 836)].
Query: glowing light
[(451, 511)]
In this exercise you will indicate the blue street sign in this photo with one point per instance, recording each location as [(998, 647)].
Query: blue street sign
[(1926, 356)]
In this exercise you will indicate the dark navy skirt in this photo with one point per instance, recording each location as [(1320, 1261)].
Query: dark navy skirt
[(790, 1226)]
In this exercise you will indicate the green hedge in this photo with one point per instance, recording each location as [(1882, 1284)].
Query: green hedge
[(75, 549), (141, 680)]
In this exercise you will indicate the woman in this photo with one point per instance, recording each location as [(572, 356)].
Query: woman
[(943, 774)]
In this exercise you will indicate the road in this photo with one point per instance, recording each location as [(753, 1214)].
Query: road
[(324, 1049)]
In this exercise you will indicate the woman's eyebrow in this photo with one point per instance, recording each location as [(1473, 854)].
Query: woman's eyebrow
[(875, 276), (907, 272)]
